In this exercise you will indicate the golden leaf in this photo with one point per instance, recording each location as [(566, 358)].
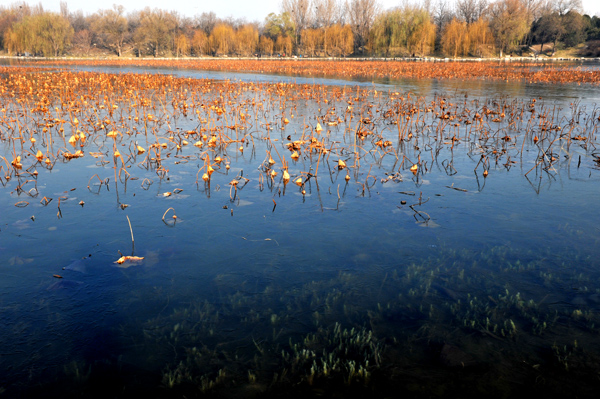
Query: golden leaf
[(73, 141)]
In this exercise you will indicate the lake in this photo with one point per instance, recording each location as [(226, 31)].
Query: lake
[(191, 233)]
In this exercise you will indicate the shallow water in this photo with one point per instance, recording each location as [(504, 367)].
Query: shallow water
[(486, 282)]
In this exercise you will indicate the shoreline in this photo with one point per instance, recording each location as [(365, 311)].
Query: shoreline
[(300, 59)]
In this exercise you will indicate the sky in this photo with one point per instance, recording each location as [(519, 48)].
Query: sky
[(251, 10)]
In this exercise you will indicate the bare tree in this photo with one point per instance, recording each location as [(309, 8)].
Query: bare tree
[(110, 28), (301, 12), (471, 10), (361, 14), (442, 14), (79, 21), (82, 42), (326, 12), (508, 21), (562, 7), (206, 21), (534, 11), (64, 9), (155, 32)]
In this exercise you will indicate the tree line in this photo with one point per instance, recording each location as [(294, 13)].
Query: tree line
[(336, 28)]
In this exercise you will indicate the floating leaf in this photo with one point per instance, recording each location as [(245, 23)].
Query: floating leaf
[(132, 259)]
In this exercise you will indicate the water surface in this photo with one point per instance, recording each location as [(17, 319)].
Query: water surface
[(427, 283)]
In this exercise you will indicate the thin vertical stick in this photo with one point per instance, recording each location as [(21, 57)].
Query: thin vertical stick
[(131, 231)]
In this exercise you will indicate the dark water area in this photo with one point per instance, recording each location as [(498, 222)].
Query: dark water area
[(476, 274)]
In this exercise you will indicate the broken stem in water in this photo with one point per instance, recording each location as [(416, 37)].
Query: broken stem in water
[(131, 231)]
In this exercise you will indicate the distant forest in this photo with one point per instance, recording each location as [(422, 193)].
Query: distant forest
[(309, 28)]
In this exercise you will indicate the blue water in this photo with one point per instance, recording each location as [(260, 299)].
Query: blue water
[(243, 275)]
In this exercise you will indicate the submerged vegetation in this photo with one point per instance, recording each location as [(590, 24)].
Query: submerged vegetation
[(456, 323), (376, 310)]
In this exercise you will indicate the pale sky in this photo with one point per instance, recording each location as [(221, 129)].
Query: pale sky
[(252, 10)]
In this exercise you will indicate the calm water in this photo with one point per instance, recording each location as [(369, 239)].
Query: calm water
[(435, 283)]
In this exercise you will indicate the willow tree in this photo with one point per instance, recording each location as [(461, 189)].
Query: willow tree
[(284, 45), (45, 33), (481, 39), (388, 34), (222, 39), (312, 41), (455, 39), (338, 40), (182, 45), (54, 32), (19, 38), (421, 32), (265, 45), (199, 42), (9, 16), (246, 39)]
